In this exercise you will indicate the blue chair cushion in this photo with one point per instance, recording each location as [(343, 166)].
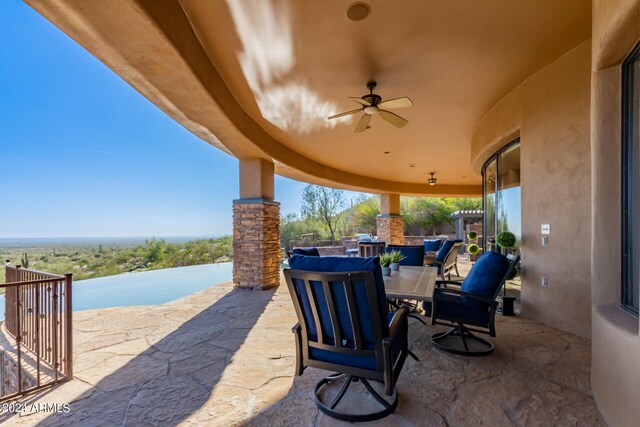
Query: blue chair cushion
[(451, 307), (414, 255), (432, 245), (307, 251), (485, 277), (340, 265), (444, 250), (357, 361)]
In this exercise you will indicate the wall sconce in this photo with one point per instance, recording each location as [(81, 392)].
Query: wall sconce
[(432, 180)]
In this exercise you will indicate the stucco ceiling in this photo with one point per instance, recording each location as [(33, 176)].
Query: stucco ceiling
[(257, 78), (290, 64)]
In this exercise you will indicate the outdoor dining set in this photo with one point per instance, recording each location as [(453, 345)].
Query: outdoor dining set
[(354, 322)]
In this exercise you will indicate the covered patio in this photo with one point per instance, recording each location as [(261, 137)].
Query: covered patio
[(224, 357), (258, 80)]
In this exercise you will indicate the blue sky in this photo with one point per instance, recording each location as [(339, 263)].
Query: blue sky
[(83, 154)]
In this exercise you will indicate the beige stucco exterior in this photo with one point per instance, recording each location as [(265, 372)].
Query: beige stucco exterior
[(256, 179), (550, 114), (615, 366), (390, 203)]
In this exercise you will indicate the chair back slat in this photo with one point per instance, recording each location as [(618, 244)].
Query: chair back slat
[(452, 256), (313, 303), (369, 249), (354, 317), (333, 315)]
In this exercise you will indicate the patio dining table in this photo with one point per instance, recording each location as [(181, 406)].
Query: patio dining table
[(411, 283)]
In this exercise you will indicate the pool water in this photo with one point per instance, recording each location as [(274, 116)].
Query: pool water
[(145, 288)]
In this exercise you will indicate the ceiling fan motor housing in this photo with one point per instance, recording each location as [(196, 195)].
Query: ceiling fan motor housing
[(372, 99)]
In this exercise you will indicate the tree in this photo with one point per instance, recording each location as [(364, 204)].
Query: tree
[(292, 228), (467, 204), (365, 213), (325, 204), (422, 213)]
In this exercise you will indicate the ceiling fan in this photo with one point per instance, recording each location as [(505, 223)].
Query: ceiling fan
[(372, 104)]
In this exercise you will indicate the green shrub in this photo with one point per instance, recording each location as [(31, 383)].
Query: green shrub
[(473, 249), (506, 239)]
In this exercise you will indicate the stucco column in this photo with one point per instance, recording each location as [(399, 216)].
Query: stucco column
[(389, 223), (256, 228)]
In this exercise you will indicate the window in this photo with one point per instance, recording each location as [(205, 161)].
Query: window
[(631, 181), (501, 188)]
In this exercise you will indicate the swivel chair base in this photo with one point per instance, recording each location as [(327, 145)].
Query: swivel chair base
[(329, 409), (468, 344)]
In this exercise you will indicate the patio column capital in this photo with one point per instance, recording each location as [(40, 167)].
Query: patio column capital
[(390, 204), (256, 178)]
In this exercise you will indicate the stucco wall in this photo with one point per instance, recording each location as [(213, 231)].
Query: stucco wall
[(550, 112), (615, 365)]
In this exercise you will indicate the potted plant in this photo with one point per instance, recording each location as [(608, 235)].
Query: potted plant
[(396, 257), (507, 240), (473, 250), (385, 262)]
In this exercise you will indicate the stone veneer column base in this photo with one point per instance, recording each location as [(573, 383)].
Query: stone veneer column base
[(390, 229), (256, 243)]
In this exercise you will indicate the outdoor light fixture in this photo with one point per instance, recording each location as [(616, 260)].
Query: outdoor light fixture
[(432, 180)]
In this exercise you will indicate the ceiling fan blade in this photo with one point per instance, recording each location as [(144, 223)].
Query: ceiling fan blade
[(361, 101), (396, 103), (344, 114), (394, 119), (363, 123)]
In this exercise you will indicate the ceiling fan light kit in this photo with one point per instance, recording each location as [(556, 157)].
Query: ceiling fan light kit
[(373, 104)]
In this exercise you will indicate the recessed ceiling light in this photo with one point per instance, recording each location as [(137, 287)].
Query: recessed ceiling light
[(358, 11)]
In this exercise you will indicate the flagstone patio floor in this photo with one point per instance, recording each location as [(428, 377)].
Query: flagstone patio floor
[(225, 357)]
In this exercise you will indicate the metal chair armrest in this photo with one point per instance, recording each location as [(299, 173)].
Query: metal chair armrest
[(396, 322), (464, 294), (448, 282)]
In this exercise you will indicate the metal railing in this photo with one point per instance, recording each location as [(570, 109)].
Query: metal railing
[(36, 336)]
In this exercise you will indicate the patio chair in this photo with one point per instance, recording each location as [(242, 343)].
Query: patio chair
[(447, 258), (474, 303), (368, 249), (432, 245), (414, 255), (306, 251), (344, 326)]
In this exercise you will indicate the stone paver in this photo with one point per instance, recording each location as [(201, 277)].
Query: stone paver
[(225, 357)]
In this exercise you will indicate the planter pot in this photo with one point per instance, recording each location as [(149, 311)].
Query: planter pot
[(395, 266), (386, 271)]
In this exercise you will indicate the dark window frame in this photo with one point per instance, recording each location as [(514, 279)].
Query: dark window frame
[(493, 157), (626, 295)]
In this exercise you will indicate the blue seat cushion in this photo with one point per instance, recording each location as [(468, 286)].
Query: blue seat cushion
[(340, 265), (357, 361), (414, 255), (432, 245), (444, 250), (306, 251), (451, 307), (485, 277)]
